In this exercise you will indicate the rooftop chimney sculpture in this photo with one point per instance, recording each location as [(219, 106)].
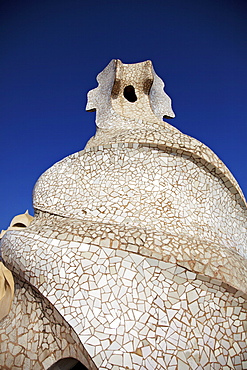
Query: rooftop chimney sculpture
[(138, 245)]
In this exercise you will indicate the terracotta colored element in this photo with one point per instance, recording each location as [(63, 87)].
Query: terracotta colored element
[(6, 278), (6, 290), (18, 222)]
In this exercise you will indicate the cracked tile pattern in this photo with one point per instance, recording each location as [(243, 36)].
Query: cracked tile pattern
[(139, 241), (112, 108), (168, 139), (196, 255), (136, 312), (34, 335), (146, 187)]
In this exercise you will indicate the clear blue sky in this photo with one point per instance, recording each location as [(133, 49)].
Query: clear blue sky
[(52, 50)]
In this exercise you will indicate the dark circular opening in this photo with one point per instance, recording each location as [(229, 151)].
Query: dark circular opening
[(129, 93)]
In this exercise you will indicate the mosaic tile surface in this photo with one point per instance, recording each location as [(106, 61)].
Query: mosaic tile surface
[(35, 336), (137, 312), (139, 241), (147, 187)]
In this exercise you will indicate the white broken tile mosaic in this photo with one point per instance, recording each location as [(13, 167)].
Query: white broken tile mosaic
[(139, 241)]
